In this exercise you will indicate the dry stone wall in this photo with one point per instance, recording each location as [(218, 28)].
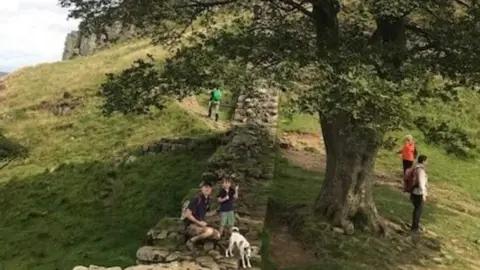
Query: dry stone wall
[(248, 157), (172, 144)]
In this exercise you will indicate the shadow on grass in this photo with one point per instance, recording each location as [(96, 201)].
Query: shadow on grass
[(294, 191), (10, 149), (93, 213)]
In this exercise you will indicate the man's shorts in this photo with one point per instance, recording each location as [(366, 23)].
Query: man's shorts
[(215, 105), (194, 230), (227, 219)]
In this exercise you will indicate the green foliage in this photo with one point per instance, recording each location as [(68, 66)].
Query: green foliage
[(134, 91), (455, 140), (389, 143)]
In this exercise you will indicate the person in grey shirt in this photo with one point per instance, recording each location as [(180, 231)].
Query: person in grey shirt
[(419, 193)]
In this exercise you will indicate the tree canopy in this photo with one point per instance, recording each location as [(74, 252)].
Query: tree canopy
[(363, 66)]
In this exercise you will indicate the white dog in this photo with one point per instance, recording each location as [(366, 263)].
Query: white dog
[(236, 239)]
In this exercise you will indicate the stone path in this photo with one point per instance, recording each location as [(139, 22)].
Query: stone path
[(248, 156)]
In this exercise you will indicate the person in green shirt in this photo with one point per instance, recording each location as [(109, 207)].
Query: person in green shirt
[(214, 102)]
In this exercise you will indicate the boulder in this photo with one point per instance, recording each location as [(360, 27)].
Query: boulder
[(82, 43), (174, 256), (149, 254), (208, 246), (228, 263)]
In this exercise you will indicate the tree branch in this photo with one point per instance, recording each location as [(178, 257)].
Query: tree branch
[(299, 7), (462, 3), (206, 5), (416, 29), (6, 164)]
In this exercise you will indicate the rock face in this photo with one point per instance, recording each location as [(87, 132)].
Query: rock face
[(81, 43), (248, 157), (61, 107)]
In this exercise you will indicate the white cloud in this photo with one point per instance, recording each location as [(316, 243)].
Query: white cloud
[(32, 32)]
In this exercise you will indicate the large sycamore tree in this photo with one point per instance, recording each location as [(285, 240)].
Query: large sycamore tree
[(362, 65)]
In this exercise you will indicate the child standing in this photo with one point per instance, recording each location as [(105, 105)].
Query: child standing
[(226, 198), (409, 153)]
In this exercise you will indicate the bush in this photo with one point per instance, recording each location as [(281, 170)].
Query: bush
[(134, 91)]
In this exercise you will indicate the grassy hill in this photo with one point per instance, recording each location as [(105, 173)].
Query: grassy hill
[(66, 203), (84, 135)]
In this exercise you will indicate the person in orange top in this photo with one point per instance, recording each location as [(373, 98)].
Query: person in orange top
[(409, 152)]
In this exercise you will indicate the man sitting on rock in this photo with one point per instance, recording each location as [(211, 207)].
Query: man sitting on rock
[(195, 215)]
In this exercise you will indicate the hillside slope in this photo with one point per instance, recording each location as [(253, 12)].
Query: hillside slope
[(80, 133), (69, 202)]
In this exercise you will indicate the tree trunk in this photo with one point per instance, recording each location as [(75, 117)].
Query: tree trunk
[(346, 198)]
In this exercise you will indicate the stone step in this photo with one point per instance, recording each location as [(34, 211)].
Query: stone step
[(209, 260)]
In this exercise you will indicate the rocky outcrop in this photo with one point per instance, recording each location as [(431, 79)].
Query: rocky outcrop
[(60, 107), (248, 157), (82, 43)]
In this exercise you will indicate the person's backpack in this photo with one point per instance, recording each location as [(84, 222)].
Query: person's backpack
[(216, 94), (185, 206), (410, 179)]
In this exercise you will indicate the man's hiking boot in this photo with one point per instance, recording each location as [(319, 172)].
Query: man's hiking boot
[(190, 245)]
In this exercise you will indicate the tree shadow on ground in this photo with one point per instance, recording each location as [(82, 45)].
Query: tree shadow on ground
[(93, 213), (10, 150), (293, 192)]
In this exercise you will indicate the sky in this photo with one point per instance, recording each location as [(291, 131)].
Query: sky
[(32, 32)]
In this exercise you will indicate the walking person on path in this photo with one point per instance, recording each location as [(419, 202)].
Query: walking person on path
[(409, 152), (418, 195), (226, 197), (214, 103)]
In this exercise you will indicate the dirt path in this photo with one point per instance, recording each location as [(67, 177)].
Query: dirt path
[(191, 105), (286, 251), (307, 151)]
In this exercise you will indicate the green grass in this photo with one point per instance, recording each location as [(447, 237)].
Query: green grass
[(301, 123), (76, 215), (91, 136), (460, 175)]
